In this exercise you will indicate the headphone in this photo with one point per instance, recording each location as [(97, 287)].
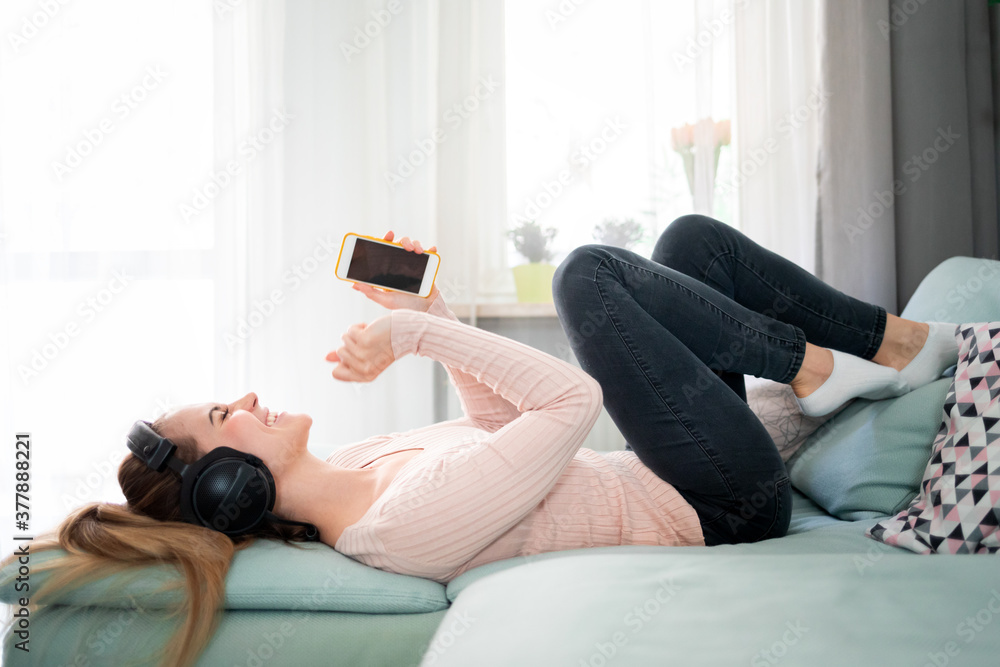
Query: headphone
[(225, 490)]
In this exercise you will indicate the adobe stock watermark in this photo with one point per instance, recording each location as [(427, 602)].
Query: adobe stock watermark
[(203, 196), (562, 12), (593, 320), (439, 476), (101, 640), (94, 481), (914, 168), (967, 629), (447, 635), (899, 14), (270, 643), (262, 309), (772, 655), (424, 149), (308, 602), (786, 126), (224, 7), (826, 435), (88, 309), (876, 552), (582, 158), (32, 24), (711, 29), (363, 35), (725, 361), (451, 290), (985, 276), (103, 469), (123, 107), (635, 619), (758, 501)]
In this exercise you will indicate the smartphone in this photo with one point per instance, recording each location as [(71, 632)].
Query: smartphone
[(366, 259)]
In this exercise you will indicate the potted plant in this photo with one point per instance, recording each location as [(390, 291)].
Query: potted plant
[(618, 233), (534, 279)]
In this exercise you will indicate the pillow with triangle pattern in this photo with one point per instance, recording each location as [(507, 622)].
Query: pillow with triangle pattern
[(957, 509)]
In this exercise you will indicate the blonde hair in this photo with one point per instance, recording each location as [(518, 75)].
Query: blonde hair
[(103, 539)]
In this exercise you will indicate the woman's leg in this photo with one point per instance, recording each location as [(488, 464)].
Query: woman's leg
[(765, 282), (651, 335), (761, 280)]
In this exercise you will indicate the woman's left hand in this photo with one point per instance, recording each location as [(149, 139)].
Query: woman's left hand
[(393, 300), (367, 351)]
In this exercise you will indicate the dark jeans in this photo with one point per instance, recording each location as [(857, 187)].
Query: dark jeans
[(670, 338)]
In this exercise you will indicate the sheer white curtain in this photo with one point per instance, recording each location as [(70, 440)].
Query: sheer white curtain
[(175, 181), (398, 125), (250, 126), (703, 188), (778, 104), (107, 287)]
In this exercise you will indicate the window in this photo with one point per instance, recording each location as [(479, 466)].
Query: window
[(106, 284), (597, 103)]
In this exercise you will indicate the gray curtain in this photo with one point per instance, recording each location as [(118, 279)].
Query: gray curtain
[(882, 232), (855, 238), (942, 108)]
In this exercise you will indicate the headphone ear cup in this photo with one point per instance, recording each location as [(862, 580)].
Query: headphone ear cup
[(228, 491)]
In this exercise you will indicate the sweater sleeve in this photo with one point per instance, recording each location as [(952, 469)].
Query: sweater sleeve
[(483, 406), (440, 514)]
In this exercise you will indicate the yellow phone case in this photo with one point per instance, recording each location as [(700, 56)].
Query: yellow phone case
[(390, 289)]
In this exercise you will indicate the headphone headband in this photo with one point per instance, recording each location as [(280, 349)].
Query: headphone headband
[(226, 490), (150, 447)]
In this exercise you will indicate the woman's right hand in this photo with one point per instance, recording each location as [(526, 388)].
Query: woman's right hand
[(393, 300), (366, 352)]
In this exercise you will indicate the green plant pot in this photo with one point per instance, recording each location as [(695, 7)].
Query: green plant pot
[(534, 282)]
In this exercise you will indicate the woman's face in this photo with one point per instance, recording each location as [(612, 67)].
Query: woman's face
[(244, 425)]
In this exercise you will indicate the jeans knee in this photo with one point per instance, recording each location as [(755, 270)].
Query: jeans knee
[(580, 263), (685, 234)]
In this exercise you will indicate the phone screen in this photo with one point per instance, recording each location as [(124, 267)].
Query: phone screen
[(390, 266)]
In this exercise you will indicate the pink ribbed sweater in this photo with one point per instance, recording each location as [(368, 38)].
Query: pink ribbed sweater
[(508, 479)]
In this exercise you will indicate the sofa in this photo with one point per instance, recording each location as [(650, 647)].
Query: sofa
[(825, 594)]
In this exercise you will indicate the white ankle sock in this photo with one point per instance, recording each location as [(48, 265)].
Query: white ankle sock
[(852, 377), (938, 353)]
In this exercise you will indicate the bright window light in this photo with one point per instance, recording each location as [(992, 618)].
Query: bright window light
[(592, 97)]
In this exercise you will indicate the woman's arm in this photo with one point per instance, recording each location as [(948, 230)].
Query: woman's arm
[(439, 515), (483, 406), (480, 404)]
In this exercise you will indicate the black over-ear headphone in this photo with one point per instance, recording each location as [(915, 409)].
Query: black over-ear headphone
[(225, 490)]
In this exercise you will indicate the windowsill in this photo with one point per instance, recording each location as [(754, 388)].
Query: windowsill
[(504, 310)]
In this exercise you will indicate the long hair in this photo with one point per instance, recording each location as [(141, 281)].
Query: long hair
[(103, 539)]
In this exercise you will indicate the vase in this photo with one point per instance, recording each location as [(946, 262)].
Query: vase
[(534, 282)]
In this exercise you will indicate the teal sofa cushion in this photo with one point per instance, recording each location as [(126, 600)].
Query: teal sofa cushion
[(867, 460), (731, 608), (266, 575), (103, 637), (812, 531)]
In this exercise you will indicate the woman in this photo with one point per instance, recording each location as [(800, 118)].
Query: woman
[(668, 340)]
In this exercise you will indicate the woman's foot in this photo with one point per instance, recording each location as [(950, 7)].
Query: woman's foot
[(828, 379), (920, 351)]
